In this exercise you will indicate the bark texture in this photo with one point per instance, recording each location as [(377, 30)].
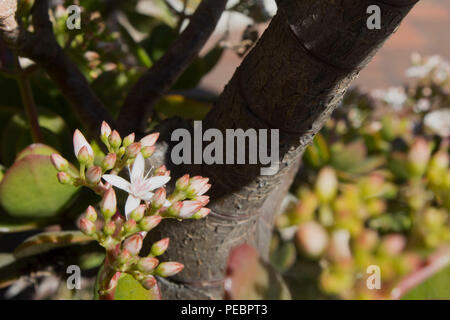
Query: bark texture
[(292, 80)]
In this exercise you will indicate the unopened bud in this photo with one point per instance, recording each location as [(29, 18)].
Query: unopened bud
[(94, 174), (105, 131), (108, 205), (150, 222), (198, 185), (150, 140), (91, 214), (312, 239), (147, 152), (133, 150), (64, 178), (393, 244), (147, 265), (202, 213), (83, 156), (109, 228), (138, 213), (159, 198), (109, 161), (87, 227), (182, 183), (326, 184), (162, 171), (130, 225), (124, 256), (339, 249), (114, 140), (189, 208), (149, 282), (168, 269), (129, 139), (203, 199), (133, 244), (418, 157), (158, 248), (59, 162)]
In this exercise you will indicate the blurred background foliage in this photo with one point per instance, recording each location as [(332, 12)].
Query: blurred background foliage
[(373, 188)]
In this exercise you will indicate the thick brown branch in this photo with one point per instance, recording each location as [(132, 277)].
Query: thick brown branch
[(292, 80), (163, 75), (41, 46)]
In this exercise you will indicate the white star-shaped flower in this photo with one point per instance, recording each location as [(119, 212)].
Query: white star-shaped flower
[(139, 187)]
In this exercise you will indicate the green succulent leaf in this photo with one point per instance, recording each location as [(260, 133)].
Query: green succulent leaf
[(47, 241), (30, 189)]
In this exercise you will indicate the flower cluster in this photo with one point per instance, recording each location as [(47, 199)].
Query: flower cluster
[(375, 191), (122, 235)]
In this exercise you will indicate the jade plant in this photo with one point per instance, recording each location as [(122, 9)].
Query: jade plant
[(121, 232)]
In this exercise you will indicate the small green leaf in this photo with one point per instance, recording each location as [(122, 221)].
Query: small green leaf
[(47, 241)]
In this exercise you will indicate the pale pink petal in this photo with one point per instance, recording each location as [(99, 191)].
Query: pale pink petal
[(117, 182), (131, 204), (158, 181), (167, 203), (137, 172), (148, 196), (79, 141)]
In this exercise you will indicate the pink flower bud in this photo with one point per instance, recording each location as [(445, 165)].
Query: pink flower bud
[(367, 239), (197, 184), (59, 162), (109, 161), (108, 205), (87, 227), (147, 265), (130, 225), (109, 228), (94, 174), (202, 213), (158, 248), (393, 244), (133, 150), (149, 282), (105, 130), (189, 208), (150, 222), (129, 139), (134, 244), (84, 156), (418, 157), (168, 269), (91, 214), (114, 139), (312, 239), (175, 208), (147, 151), (182, 183), (124, 256), (150, 140), (203, 190), (203, 199), (138, 213), (64, 178), (162, 171), (326, 184), (79, 141), (339, 249), (159, 198)]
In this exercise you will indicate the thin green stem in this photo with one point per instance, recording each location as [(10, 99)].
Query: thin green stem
[(29, 103)]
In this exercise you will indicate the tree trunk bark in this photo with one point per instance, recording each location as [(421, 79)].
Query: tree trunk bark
[(292, 81)]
